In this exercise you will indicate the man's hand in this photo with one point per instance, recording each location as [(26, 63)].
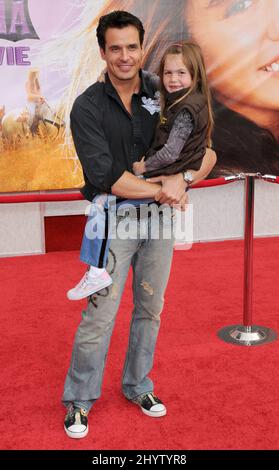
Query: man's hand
[(183, 203), (172, 191)]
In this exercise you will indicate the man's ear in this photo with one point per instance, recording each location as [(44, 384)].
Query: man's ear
[(103, 54)]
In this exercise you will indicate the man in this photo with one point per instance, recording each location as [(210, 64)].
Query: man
[(113, 125)]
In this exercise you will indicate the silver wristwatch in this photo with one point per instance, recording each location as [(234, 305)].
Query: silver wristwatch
[(188, 177)]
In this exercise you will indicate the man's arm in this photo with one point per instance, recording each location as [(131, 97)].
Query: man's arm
[(92, 146), (208, 163), (173, 187), (129, 186)]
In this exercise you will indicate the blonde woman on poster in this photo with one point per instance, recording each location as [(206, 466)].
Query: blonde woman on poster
[(35, 100)]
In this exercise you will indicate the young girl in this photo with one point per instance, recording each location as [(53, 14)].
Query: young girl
[(179, 145), (186, 120)]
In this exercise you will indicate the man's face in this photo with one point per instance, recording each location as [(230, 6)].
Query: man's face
[(123, 53)]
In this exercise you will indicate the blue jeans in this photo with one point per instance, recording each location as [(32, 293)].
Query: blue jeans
[(151, 262), (96, 238)]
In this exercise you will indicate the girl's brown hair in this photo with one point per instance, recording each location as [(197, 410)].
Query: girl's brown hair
[(193, 60)]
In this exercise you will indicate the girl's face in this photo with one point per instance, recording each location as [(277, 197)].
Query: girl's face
[(240, 43), (176, 76)]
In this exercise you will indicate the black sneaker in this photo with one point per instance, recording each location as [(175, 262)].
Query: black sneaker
[(151, 405), (76, 422)]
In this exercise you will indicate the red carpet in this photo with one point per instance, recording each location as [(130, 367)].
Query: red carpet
[(219, 396)]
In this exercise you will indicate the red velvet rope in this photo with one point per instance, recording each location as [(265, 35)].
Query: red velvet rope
[(272, 179), (23, 198), (212, 182), (76, 196)]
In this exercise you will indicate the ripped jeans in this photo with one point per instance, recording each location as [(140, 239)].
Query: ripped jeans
[(150, 258)]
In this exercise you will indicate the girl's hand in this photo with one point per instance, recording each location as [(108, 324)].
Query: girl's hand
[(139, 167)]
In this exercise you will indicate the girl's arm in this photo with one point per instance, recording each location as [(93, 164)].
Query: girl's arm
[(170, 152)]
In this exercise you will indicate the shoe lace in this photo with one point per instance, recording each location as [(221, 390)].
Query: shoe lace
[(76, 413), (70, 411), (83, 281), (148, 397)]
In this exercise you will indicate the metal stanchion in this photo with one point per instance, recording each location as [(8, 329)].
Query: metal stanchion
[(246, 334)]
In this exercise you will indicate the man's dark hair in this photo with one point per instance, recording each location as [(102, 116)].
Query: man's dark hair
[(118, 19)]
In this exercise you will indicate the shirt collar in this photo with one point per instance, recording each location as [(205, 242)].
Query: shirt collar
[(144, 90)]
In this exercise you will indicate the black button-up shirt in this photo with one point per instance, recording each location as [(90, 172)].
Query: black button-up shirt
[(107, 138)]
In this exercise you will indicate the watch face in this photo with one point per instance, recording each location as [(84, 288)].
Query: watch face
[(188, 177)]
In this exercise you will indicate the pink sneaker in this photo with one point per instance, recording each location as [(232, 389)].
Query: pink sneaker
[(89, 285)]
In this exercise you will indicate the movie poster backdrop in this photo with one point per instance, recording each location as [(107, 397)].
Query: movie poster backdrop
[(49, 55)]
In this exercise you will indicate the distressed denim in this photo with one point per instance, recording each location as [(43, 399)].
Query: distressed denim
[(151, 262)]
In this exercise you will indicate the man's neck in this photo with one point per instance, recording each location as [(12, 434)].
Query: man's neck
[(126, 87)]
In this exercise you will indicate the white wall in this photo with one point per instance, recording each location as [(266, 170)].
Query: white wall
[(21, 229), (218, 214)]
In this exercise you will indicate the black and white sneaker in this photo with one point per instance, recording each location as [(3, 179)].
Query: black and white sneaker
[(76, 422), (151, 405)]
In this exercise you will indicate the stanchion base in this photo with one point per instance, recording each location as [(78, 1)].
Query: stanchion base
[(247, 335)]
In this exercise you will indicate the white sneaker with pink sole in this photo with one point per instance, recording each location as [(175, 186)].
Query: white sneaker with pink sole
[(89, 285)]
